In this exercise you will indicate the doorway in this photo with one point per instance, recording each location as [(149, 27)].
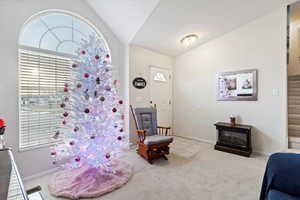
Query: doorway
[(161, 94)]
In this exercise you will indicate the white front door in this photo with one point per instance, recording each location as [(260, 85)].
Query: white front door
[(161, 94)]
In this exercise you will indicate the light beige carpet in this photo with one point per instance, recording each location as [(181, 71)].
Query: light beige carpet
[(194, 171)]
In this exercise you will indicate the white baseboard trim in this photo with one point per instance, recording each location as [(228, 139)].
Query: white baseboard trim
[(267, 154), (38, 175), (214, 142), (197, 139)]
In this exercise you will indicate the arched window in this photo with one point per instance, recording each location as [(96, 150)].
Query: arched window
[(48, 43)]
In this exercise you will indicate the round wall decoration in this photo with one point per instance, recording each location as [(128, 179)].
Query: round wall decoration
[(139, 83)]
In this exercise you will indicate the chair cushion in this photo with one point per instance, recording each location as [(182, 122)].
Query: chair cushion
[(277, 195), (157, 139), (146, 119)]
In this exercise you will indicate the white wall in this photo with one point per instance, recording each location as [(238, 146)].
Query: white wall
[(260, 44), (13, 14), (140, 60)]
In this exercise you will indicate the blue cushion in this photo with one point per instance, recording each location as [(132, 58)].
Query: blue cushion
[(277, 195), (157, 139), (146, 119), (282, 174)]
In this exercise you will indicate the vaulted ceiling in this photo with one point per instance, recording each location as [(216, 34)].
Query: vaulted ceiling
[(160, 24), (124, 17)]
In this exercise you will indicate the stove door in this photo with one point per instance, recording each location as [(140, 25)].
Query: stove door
[(233, 139)]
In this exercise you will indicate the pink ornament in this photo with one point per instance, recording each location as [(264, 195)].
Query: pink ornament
[(97, 57), (114, 110), (86, 75), (87, 110), (62, 105), (107, 156), (105, 62), (121, 130), (64, 122), (119, 138), (56, 134), (76, 129), (66, 114), (122, 117), (53, 153), (120, 102), (107, 56), (74, 65), (83, 52), (79, 85), (72, 143), (66, 89)]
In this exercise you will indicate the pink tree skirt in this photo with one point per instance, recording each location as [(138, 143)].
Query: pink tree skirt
[(87, 182)]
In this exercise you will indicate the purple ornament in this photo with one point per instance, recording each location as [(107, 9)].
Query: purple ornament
[(76, 129), (108, 88), (102, 98), (93, 137), (77, 159)]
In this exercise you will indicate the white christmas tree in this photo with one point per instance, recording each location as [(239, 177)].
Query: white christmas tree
[(93, 118)]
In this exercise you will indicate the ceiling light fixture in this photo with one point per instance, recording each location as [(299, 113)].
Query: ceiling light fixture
[(189, 39)]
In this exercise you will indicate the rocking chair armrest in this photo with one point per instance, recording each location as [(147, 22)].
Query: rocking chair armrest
[(142, 134), (164, 127)]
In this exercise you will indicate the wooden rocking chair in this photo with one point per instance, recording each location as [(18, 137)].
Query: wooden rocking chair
[(153, 140)]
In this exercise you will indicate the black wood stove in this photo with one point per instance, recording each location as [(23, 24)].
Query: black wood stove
[(234, 138)]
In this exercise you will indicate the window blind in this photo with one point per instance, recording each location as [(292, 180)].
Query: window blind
[(42, 79)]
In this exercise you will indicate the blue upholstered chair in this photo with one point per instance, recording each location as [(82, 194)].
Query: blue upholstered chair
[(153, 140), (282, 177)]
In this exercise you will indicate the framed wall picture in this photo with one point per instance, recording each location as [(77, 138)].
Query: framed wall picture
[(237, 85)]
